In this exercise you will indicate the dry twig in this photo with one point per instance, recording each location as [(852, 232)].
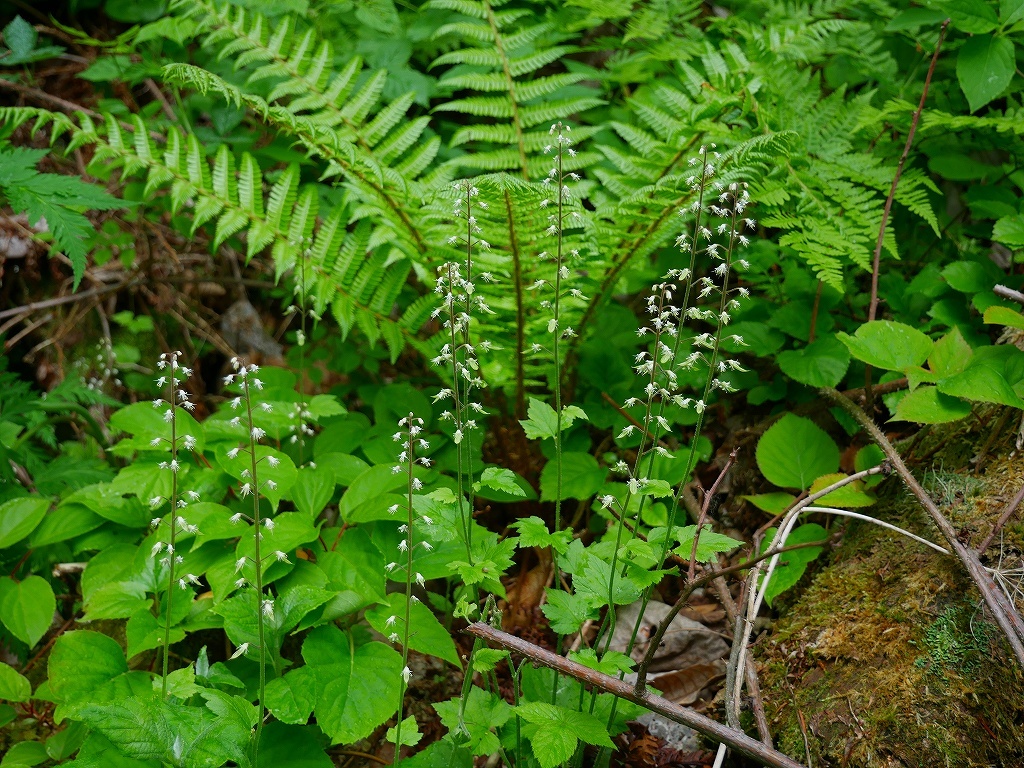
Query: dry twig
[(736, 740)]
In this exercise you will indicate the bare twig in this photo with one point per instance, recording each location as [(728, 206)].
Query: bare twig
[(56, 302), (1002, 609), (736, 740), (704, 512), (755, 596), (873, 306), (1007, 514), (655, 642), (1008, 293), (753, 685)]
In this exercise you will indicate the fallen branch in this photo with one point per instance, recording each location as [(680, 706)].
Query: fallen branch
[(1002, 609), (1008, 293), (734, 739), (1003, 518)]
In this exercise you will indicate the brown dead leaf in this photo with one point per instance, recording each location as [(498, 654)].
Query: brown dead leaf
[(526, 593), (706, 613), (684, 686)]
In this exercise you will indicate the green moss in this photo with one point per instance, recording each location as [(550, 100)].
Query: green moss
[(886, 654)]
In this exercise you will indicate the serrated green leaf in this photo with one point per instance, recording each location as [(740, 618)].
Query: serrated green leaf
[(927, 405)]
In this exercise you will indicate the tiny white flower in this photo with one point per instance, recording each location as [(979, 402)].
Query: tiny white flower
[(240, 651)]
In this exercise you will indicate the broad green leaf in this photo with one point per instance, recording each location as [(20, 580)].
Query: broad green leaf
[(369, 487), (500, 479), (27, 608), (157, 729), (144, 423), (848, 497), (951, 353), (792, 565), (996, 315), (283, 475), (1011, 11), (291, 746), (595, 578), (290, 531), (13, 685), (582, 477), (24, 755), (291, 697), (484, 713), (927, 405), (106, 502), (984, 67), (795, 451), (19, 517), (350, 701), (913, 18), (888, 345), (143, 633), (355, 571), (65, 522), (342, 435), (83, 661), (313, 490), (754, 338), (144, 479), (822, 363), (981, 383), (116, 600), (1009, 230), (441, 754), (773, 503), (971, 276), (426, 634), (65, 742), (343, 466), (973, 16), (559, 729)]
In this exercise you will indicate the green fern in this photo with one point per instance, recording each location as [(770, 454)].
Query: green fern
[(55, 199), (497, 71)]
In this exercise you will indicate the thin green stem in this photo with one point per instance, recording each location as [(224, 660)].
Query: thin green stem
[(257, 521), (171, 550), (411, 458)]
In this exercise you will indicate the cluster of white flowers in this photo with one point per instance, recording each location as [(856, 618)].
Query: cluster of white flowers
[(459, 300), (565, 214), (671, 349), (246, 377), (172, 377), (412, 443), (105, 370)]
